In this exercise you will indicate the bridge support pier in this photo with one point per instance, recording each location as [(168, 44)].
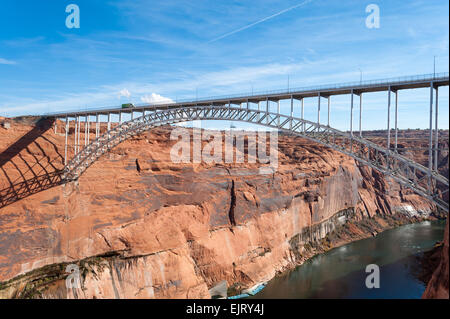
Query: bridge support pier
[(85, 130), (436, 145), (396, 121), (318, 111), (329, 106), (109, 123), (248, 115), (65, 140), (430, 146), (278, 111), (88, 129), (79, 134), (303, 113), (351, 120), (360, 114), (75, 134), (259, 115), (267, 110), (75, 137), (351, 113), (292, 111), (388, 146), (96, 126)]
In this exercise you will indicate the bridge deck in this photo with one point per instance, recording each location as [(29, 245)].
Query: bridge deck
[(397, 84)]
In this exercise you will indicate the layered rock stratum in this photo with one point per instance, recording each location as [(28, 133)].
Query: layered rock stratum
[(140, 226)]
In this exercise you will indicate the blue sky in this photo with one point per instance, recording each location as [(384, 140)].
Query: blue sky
[(140, 50)]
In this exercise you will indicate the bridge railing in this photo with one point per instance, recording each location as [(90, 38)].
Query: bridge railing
[(354, 84), (366, 83)]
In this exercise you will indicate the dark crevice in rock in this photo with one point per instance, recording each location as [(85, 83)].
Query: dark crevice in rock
[(232, 205), (138, 167)]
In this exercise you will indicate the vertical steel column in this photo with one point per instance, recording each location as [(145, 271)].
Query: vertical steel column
[(396, 121), (120, 117), (79, 133), (109, 124), (89, 128), (318, 111), (329, 107), (360, 114), (132, 115), (267, 110), (248, 114), (303, 114), (85, 130), (65, 140), (389, 120), (430, 146), (259, 109), (96, 126), (436, 147), (56, 120), (292, 111), (75, 136), (278, 112), (351, 114)]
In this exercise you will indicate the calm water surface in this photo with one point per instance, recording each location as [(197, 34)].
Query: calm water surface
[(340, 273)]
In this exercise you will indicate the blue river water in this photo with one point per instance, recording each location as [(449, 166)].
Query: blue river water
[(341, 272)]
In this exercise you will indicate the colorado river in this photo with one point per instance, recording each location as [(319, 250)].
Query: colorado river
[(340, 273)]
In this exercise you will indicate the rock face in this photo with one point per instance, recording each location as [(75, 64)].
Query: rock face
[(139, 226), (437, 287)]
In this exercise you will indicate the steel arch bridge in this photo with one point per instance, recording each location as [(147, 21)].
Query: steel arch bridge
[(406, 172)]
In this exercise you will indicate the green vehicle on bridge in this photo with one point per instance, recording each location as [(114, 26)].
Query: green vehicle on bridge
[(127, 105)]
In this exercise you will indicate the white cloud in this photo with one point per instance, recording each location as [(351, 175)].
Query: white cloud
[(155, 98), (4, 61), (24, 42), (124, 92)]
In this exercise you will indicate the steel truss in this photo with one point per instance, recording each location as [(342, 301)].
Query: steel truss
[(401, 169)]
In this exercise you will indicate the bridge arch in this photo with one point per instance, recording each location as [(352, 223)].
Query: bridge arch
[(401, 169)]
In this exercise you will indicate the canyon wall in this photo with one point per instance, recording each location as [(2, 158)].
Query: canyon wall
[(139, 226), (437, 287)]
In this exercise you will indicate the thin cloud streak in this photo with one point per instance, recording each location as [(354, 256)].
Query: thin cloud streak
[(259, 21), (8, 62)]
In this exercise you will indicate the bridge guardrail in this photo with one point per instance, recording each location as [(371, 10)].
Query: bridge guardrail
[(366, 83)]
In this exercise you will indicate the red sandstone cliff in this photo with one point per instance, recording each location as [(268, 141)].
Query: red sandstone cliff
[(437, 288), (166, 231)]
